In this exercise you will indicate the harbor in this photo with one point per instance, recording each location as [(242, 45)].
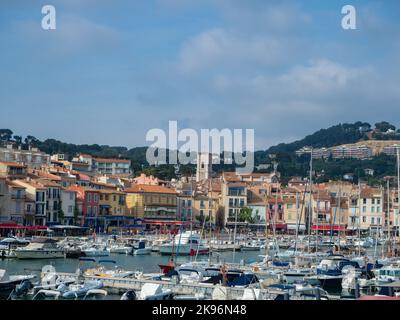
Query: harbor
[(280, 267)]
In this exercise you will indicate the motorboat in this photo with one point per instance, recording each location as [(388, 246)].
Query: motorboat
[(96, 251), (154, 291), (102, 272), (40, 248), (186, 243), (141, 248), (251, 246), (121, 249), (8, 283), (8, 245), (79, 290)]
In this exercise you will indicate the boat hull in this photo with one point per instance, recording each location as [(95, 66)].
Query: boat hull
[(42, 254)]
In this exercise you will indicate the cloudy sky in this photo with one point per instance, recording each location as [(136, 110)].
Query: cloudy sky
[(112, 70)]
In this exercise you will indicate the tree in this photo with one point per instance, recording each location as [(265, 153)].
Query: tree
[(18, 140), (5, 134), (31, 141), (61, 216), (245, 215), (384, 126), (220, 217), (76, 214)]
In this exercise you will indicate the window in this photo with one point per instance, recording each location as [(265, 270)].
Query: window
[(290, 206), (89, 197), (378, 209), (71, 196), (372, 220), (373, 201), (364, 201), (378, 201), (95, 211), (114, 198), (364, 219), (378, 220), (70, 209), (241, 202), (364, 209), (372, 209), (89, 211)]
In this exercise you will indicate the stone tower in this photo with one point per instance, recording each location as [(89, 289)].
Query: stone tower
[(204, 166)]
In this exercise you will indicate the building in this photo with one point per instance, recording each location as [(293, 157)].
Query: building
[(37, 194), (361, 152), (87, 163), (13, 170), (391, 150), (68, 203), (233, 196), (154, 204), (112, 166), (88, 207), (14, 203), (372, 215), (204, 166), (294, 210), (32, 158)]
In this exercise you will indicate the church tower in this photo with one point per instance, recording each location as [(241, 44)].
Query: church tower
[(204, 166)]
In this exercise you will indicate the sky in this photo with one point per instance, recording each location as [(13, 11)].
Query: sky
[(113, 70)]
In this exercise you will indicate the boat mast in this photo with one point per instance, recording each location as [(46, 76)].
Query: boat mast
[(191, 218), (310, 204), (297, 222), (339, 219), (359, 218), (398, 190)]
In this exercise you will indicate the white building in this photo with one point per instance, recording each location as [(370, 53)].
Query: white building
[(204, 166), (68, 200)]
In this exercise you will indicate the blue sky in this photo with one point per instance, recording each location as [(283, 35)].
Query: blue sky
[(115, 69)]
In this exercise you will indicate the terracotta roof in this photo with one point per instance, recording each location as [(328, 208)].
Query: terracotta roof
[(110, 191), (30, 183), (105, 160), (149, 189), (13, 164), (15, 185)]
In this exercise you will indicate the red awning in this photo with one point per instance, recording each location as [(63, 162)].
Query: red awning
[(278, 226), (15, 226), (329, 228), (165, 222)]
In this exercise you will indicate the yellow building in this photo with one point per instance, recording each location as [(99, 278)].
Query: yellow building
[(151, 202), (294, 215), (112, 202)]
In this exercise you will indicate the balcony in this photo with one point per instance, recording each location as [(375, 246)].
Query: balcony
[(18, 197)]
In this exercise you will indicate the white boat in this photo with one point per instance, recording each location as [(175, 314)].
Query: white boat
[(251, 246), (141, 248), (122, 249), (40, 248), (154, 291), (96, 251), (388, 274), (186, 243)]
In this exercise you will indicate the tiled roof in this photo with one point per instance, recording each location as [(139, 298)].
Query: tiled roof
[(105, 160), (149, 189), (13, 164)]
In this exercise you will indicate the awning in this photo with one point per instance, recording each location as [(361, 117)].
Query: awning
[(15, 226), (329, 228), (277, 226), (294, 227), (105, 206), (165, 222)]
